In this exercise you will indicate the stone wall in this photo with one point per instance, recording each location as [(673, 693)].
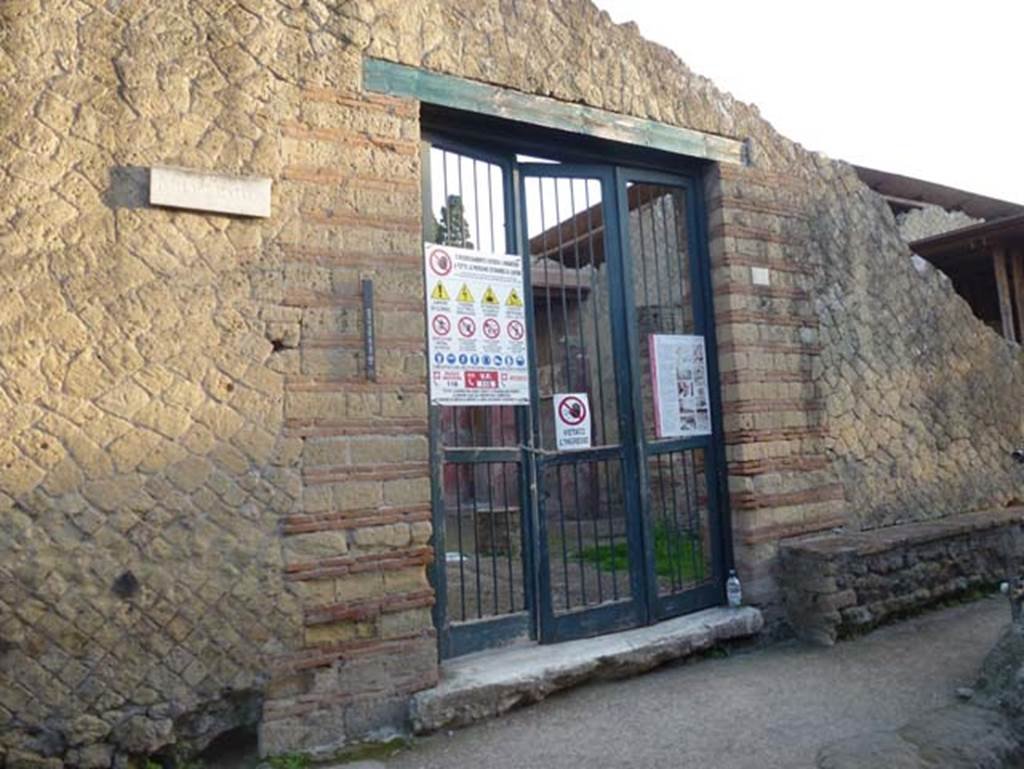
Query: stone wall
[(837, 586), (202, 496), (144, 462), (923, 400), (928, 221), (202, 501), (855, 391)]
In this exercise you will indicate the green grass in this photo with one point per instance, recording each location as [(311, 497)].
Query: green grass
[(179, 764), (675, 553), (290, 761)]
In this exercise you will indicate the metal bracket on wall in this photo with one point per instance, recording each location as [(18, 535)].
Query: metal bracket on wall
[(369, 340)]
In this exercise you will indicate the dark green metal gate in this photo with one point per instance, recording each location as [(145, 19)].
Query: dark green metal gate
[(532, 542)]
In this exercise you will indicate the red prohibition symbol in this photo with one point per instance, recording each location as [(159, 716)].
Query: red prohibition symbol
[(491, 328), (440, 262), (441, 325), (515, 330), (467, 327), (572, 411)]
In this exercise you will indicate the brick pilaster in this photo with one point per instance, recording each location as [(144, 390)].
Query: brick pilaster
[(781, 482)]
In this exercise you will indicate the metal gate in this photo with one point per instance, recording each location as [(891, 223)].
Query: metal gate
[(532, 542)]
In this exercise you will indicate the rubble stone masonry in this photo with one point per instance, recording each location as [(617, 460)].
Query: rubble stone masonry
[(209, 518), (929, 221), (843, 585)]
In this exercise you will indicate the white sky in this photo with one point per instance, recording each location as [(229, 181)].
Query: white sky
[(933, 90)]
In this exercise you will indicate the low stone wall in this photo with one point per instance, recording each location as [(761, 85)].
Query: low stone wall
[(836, 585)]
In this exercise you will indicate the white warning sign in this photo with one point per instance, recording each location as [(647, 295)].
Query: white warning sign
[(679, 375), (476, 342), (572, 421)]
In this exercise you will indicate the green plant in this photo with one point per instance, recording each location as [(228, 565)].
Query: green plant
[(453, 229), (179, 763), (675, 553), (290, 761)]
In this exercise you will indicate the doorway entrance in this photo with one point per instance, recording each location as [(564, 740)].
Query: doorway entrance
[(534, 541)]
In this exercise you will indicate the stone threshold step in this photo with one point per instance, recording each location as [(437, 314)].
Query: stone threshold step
[(490, 683)]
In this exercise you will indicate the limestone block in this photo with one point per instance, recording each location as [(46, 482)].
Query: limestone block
[(19, 476), (317, 499), (352, 587), (337, 632), (326, 451), (124, 400), (357, 495), (421, 532), (92, 757), (406, 580), (138, 734), (407, 491), (316, 591), (373, 536), (316, 545), (20, 759), (403, 448), (405, 622), (322, 731)]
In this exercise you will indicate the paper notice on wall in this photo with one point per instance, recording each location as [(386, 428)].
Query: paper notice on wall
[(572, 421), (476, 327), (679, 376)]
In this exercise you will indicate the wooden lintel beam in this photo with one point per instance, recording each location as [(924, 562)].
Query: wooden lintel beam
[(400, 80), (999, 260)]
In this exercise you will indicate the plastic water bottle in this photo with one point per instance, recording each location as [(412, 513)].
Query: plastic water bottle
[(733, 590)]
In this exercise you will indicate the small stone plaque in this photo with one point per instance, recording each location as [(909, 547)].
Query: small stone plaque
[(205, 191), (760, 276)]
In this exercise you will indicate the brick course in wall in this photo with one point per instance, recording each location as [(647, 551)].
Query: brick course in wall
[(780, 480), (357, 551)]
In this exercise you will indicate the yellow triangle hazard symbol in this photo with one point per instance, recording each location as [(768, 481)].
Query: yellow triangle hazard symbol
[(490, 297), (440, 292), (513, 299), (464, 294)]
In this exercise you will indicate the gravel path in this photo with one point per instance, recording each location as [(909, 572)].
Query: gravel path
[(774, 707)]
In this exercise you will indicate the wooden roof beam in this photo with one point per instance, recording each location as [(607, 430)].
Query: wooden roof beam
[(999, 263)]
